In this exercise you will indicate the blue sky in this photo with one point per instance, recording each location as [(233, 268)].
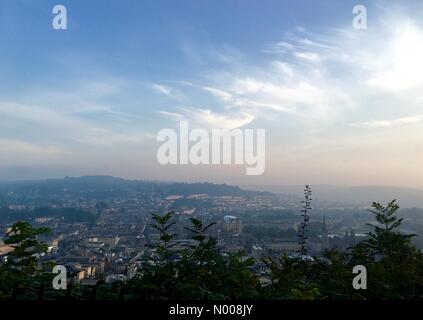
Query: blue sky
[(340, 105)]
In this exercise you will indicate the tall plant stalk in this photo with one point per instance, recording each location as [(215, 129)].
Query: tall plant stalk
[(305, 214)]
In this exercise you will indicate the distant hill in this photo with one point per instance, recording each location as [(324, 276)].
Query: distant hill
[(361, 195), (102, 187), (107, 186)]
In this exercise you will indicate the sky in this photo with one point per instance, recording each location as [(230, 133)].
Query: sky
[(339, 105)]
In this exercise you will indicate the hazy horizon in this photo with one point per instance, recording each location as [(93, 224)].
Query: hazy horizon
[(243, 186)]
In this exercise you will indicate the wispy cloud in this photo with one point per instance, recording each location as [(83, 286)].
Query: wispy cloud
[(209, 119), (388, 123), (165, 90), (85, 115), (102, 137), (19, 152), (330, 76), (221, 94), (311, 56)]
